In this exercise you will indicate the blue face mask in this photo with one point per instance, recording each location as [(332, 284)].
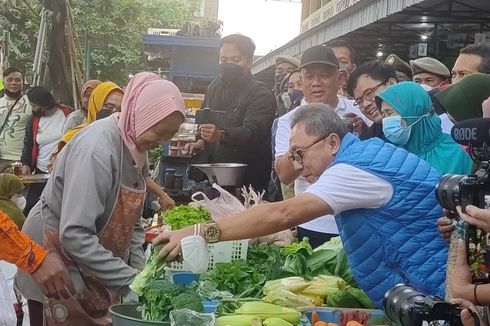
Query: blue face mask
[(395, 132)]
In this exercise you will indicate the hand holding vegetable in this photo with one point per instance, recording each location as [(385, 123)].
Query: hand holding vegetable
[(171, 240)]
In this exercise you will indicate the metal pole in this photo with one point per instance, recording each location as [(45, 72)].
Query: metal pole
[(38, 57), (88, 51)]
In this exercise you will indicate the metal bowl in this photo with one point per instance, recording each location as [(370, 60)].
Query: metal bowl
[(224, 174), (130, 315)]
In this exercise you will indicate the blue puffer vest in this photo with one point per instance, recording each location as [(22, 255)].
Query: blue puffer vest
[(398, 242)]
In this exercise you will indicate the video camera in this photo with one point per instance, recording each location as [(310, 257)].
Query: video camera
[(407, 307), (463, 190)]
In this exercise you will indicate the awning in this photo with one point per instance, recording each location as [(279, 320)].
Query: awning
[(393, 26)]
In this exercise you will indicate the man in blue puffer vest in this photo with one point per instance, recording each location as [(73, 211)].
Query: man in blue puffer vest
[(382, 196)]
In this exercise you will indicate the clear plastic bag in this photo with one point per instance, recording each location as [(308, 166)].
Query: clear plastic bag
[(207, 291), (8, 316), (186, 317), (223, 206)]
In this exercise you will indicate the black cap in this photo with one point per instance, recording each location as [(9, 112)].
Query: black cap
[(319, 54)]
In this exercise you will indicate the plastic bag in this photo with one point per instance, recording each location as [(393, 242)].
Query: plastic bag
[(8, 316), (223, 206), (207, 291), (186, 317)]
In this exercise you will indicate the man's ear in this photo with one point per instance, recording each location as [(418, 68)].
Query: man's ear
[(334, 143)]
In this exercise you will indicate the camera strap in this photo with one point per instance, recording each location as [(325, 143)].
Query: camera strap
[(8, 114)]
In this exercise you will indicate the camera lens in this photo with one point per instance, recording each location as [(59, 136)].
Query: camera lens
[(398, 302), (448, 191)]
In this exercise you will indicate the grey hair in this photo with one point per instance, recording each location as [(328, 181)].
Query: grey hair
[(320, 120)]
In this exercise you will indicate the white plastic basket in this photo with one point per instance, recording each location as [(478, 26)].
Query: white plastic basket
[(221, 252)]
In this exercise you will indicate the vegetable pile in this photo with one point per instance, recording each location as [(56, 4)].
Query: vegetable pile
[(160, 297), (256, 313), (181, 216)]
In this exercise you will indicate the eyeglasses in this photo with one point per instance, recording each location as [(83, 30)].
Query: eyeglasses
[(368, 94), (297, 155)]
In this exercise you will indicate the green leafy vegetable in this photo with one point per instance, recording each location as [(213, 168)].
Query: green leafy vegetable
[(237, 277), (181, 216), (267, 259), (156, 300), (154, 269), (297, 246), (188, 300)]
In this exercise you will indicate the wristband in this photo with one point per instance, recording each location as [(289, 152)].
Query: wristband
[(475, 296)]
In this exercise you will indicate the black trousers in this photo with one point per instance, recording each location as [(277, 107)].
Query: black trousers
[(34, 192)]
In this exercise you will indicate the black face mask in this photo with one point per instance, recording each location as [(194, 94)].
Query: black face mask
[(277, 82), (14, 95), (104, 113), (230, 72)]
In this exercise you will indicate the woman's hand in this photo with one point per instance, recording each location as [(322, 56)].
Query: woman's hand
[(166, 202), (192, 148), (26, 170), (171, 240), (460, 279), (445, 227), (476, 216)]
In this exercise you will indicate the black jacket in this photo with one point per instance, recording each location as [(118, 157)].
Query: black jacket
[(250, 108)]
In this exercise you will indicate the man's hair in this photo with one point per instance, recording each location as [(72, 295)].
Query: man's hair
[(244, 44), (41, 96), (343, 44), (10, 70), (482, 50), (376, 70), (320, 120)]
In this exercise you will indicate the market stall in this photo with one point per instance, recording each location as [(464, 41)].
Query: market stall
[(248, 282)]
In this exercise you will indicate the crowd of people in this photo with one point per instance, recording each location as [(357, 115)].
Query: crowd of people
[(341, 148)]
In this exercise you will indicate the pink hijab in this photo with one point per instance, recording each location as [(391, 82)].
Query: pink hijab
[(147, 100)]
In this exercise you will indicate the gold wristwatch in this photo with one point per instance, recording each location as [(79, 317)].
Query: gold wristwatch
[(210, 232)]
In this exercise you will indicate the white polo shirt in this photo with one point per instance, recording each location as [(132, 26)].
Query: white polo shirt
[(324, 224)]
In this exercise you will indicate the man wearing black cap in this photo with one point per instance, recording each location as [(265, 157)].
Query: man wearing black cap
[(321, 81), (243, 134)]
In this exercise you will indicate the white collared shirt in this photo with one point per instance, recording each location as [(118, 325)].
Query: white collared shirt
[(324, 224)]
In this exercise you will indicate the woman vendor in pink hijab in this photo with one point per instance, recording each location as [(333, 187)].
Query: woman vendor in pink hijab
[(89, 211)]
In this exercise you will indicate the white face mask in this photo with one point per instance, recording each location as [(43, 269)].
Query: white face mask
[(195, 252), (20, 201)]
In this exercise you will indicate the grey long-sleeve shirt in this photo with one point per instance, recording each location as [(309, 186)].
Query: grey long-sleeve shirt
[(80, 196)]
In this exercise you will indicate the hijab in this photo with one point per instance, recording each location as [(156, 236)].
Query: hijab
[(9, 186), (95, 104), (90, 84), (147, 100), (97, 99), (427, 140)]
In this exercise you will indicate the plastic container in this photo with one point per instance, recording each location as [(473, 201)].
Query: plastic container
[(128, 315), (332, 315), (210, 306), (221, 252), (183, 278)]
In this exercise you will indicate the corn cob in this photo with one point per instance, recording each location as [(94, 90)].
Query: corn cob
[(238, 320), (288, 299), (276, 322), (266, 310), (294, 284)]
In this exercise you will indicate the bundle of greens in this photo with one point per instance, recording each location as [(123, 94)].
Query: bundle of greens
[(181, 216), (153, 270), (160, 297)]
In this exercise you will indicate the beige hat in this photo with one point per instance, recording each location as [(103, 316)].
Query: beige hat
[(286, 58), (430, 65), (400, 66)]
